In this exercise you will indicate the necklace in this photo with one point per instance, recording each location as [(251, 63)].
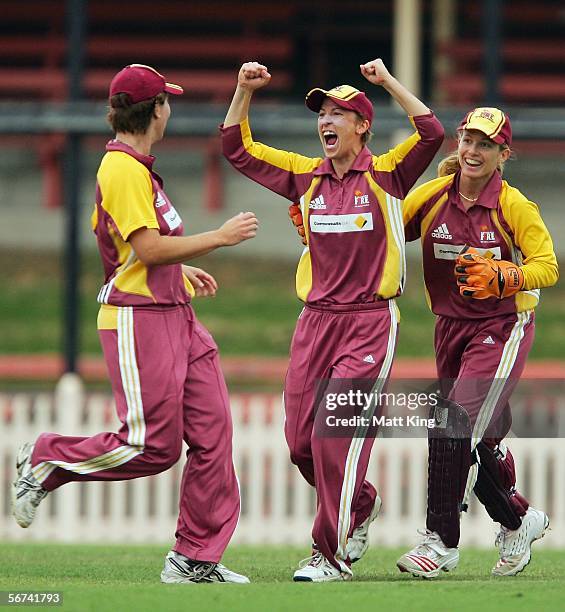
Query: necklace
[(468, 199)]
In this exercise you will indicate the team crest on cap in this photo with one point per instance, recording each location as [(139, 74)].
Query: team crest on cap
[(491, 121), (486, 114), (343, 92)]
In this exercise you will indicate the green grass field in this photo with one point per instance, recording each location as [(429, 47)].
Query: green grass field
[(254, 313), (124, 578)]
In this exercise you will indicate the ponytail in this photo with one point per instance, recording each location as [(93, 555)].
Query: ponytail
[(448, 165)]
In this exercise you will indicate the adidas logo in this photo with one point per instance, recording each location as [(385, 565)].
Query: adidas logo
[(160, 200), (318, 203), (488, 340), (442, 232), (369, 359)]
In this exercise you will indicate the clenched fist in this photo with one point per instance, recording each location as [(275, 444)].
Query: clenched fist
[(252, 76), (375, 72)]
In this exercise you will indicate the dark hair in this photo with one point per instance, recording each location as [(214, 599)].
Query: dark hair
[(124, 116)]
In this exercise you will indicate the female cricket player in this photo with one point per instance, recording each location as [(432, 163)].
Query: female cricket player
[(163, 363), (348, 276), (503, 255)]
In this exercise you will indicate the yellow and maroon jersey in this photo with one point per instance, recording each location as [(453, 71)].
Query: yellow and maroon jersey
[(356, 247), (503, 224), (130, 196)]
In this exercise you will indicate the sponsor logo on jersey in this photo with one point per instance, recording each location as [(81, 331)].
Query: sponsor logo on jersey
[(448, 251), (172, 218), (488, 340), (341, 224), (369, 359), (487, 237), (360, 199), (318, 203), (442, 232)]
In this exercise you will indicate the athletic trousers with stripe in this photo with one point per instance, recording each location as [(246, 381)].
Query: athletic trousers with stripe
[(168, 386), (332, 344), (480, 362)]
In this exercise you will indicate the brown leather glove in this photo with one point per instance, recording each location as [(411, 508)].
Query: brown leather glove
[(295, 215)]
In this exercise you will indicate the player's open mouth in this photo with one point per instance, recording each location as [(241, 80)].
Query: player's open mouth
[(330, 138), (473, 163)]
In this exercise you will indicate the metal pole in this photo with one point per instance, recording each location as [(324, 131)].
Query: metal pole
[(492, 60), (76, 28)]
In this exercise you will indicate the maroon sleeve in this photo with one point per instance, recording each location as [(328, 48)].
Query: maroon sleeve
[(398, 170), (285, 173)]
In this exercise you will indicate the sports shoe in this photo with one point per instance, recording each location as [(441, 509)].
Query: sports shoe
[(318, 569), (429, 558), (358, 543), (514, 546), (182, 570), (27, 493)]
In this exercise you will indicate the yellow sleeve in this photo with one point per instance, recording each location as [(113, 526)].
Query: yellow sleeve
[(532, 238), (398, 170), (416, 200), (188, 285), (127, 193), (283, 160), (388, 161)]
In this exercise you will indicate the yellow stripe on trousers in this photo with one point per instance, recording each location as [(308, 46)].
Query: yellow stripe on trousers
[(130, 377), (107, 461), (134, 419), (507, 361), (356, 446)]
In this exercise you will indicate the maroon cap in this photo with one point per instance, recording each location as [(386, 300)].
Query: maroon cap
[(141, 82), (490, 121), (345, 96)]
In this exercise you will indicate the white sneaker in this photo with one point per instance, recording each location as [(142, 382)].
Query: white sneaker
[(514, 546), (318, 569), (27, 493), (358, 543), (182, 570), (429, 558)]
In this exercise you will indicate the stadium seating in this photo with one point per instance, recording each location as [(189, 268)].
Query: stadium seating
[(198, 45), (532, 54)]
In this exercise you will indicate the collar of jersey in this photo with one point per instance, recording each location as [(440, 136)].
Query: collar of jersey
[(361, 164), (489, 195), (116, 145)]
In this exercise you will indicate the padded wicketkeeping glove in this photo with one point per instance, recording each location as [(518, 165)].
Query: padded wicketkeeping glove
[(295, 215), (480, 278)]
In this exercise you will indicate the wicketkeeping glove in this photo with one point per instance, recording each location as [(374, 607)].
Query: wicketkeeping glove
[(480, 278), (295, 215)]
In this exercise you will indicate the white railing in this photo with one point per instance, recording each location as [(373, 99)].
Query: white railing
[(277, 505)]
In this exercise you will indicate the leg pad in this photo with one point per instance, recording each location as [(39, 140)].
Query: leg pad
[(495, 487), (449, 460)]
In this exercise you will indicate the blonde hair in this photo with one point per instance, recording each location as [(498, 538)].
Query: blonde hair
[(450, 164), (365, 136)]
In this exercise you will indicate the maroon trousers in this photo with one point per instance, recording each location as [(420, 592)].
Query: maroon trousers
[(335, 344), (479, 363), (168, 386)]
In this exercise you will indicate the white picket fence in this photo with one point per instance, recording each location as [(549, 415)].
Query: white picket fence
[(277, 505)]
